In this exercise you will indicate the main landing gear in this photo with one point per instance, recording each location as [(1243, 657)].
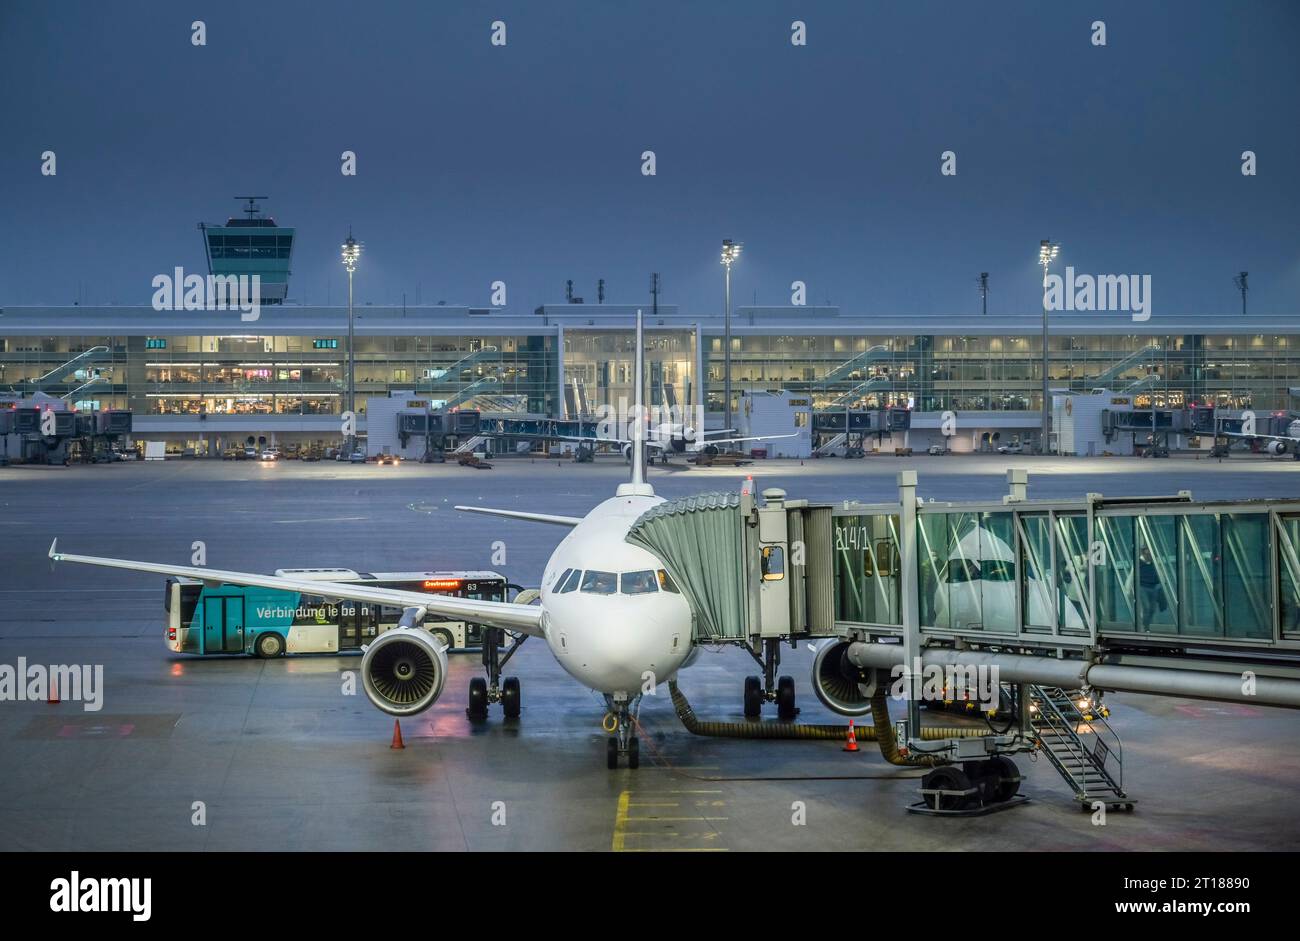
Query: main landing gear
[(619, 722), (770, 688), (494, 688)]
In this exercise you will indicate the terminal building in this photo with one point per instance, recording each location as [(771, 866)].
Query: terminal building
[(206, 379)]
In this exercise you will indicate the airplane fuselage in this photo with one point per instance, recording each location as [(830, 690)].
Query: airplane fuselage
[(609, 639)]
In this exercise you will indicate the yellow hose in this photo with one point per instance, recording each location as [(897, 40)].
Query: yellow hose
[(882, 732)]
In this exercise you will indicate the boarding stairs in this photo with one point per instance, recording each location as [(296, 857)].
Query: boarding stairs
[(472, 445), (1094, 771), (830, 445)]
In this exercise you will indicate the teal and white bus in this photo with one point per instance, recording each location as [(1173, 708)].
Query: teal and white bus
[(268, 622)]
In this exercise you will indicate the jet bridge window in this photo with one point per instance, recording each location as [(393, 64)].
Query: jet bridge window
[(773, 563), (599, 583), (638, 583)]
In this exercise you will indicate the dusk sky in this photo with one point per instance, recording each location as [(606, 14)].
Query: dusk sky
[(522, 163)]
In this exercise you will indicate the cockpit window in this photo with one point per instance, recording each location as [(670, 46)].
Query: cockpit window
[(963, 570), (666, 583), (570, 582), (637, 583), (599, 583), (995, 570)]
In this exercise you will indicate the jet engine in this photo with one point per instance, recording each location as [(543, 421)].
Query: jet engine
[(404, 670), (627, 453), (1275, 448), (841, 686)]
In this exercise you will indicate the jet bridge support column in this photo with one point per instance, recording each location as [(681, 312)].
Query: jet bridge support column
[(909, 606)]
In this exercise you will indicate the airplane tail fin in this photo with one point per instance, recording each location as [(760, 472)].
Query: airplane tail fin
[(637, 425)]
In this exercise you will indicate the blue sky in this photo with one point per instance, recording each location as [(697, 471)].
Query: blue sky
[(522, 163)]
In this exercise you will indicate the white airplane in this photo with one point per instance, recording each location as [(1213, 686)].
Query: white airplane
[(608, 611), (674, 438), (978, 588), (1274, 444)]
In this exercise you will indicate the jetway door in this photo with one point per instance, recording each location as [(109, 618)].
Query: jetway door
[(812, 591)]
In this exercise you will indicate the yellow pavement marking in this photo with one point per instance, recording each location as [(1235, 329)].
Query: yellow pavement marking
[(669, 831), (620, 821)]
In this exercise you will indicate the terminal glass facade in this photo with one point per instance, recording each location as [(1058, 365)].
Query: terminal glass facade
[(280, 375), (1004, 373)]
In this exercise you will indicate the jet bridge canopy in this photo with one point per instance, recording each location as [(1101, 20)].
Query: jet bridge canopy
[(700, 540)]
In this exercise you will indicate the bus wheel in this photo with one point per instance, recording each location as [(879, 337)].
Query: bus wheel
[(269, 645), (510, 697)]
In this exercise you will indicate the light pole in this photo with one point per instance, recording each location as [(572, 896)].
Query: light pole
[(351, 253), (730, 252), (1243, 287), (1047, 252)]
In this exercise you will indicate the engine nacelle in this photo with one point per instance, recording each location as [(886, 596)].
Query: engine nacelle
[(840, 685), (1275, 448), (627, 453), (403, 670)]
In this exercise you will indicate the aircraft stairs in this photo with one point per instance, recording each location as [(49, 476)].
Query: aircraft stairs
[(830, 445), (472, 445), (1094, 773)]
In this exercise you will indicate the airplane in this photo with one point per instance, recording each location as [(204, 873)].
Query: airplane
[(977, 587), (609, 612), (1273, 444), (669, 438)]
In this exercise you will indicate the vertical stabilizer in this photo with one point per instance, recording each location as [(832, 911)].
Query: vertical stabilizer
[(637, 420)]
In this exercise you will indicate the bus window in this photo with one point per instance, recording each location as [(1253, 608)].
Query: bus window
[(599, 583), (666, 583), (637, 583), (571, 583)]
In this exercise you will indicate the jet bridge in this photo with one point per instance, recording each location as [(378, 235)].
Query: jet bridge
[(1163, 595)]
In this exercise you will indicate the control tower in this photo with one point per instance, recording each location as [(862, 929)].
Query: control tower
[(251, 244)]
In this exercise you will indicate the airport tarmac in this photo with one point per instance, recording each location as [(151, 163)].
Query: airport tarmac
[(280, 758)]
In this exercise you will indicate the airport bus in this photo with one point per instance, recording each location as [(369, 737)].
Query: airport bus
[(266, 622)]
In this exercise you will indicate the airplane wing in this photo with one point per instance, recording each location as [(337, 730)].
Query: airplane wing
[(1259, 437), (521, 515), (750, 438), (523, 618)]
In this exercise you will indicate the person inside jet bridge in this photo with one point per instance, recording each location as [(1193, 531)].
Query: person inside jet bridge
[(1151, 597)]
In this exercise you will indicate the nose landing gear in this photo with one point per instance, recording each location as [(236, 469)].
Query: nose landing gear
[(619, 722)]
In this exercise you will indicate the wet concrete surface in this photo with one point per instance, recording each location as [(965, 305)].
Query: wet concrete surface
[(278, 757)]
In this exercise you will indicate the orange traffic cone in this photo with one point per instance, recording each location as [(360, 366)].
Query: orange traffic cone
[(53, 698), (852, 743), (397, 735)]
